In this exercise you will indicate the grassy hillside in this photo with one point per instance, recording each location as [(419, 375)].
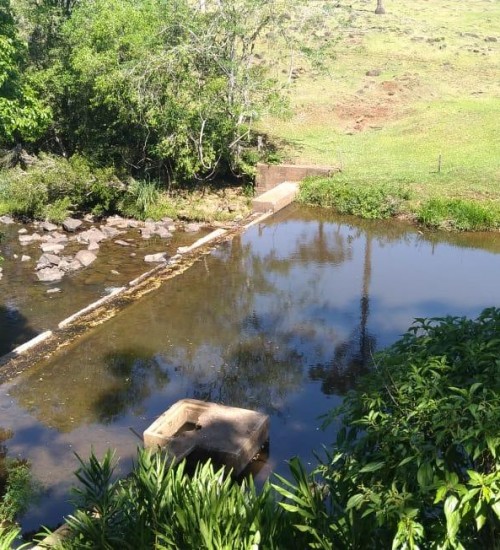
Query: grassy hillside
[(435, 94)]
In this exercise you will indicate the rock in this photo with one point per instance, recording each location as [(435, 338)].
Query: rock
[(160, 257), (52, 247), (53, 290), (182, 249), (491, 39), (50, 274), (93, 235), (56, 238), (15, 256), (167, 221), (27, 239), (113, 220), (69, 264), (85, 257), (114, 272), (7, 220), (71, 225), (49, 259), (133, 254), (110, 232), (93, 246), (192, 227), (146, 233), (374, 72), (122, 243), (25, 258), (171, 227), (23, 231), (163, 232), (48, 226)]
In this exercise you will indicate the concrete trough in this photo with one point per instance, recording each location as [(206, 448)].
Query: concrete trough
[(228, 435)]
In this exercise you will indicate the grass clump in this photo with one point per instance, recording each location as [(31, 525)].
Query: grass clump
[(458, 214), (374, 202)]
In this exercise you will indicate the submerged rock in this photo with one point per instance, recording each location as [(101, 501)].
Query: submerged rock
[(85, 257), (160, 257), (53, 290), (52, 247), (49, 274)]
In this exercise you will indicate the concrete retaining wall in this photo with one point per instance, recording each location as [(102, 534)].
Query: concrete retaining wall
[(270, 175)]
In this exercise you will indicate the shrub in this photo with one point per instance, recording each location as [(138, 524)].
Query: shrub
[(458, 214), (417, 457), (160, 506), (53, 186), (380, 201)]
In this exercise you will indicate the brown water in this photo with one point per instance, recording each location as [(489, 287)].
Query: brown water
[(283, 319), (25, 307)]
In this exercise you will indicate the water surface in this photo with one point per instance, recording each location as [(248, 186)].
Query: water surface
[(283, 319)]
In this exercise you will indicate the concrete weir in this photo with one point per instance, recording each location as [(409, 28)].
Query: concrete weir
[(229, 435), (277, 198)]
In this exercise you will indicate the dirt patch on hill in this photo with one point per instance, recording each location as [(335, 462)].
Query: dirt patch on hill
[(377, 102)]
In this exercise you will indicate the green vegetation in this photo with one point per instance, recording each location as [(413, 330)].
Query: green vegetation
[(415, 464), (425, 119), (167, 89), (382, 200), (16, 492)]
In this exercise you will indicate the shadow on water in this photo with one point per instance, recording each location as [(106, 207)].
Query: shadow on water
[(136, 376), (16, 329)]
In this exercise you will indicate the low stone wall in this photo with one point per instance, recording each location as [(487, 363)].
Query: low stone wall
[(270, 175)]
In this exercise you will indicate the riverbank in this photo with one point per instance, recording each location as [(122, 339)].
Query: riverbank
[(411, 101)]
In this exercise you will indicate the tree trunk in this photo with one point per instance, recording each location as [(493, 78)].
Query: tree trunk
[(380, 8)]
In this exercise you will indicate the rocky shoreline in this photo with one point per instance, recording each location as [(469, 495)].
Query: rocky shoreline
[(75, 244)]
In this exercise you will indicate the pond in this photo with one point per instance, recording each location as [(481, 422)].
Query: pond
[(282, 319)]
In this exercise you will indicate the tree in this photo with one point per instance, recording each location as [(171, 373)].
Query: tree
[(380, 10), (23, 116), (168, 88)]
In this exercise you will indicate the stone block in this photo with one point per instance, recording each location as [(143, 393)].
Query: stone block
[(229, 435)]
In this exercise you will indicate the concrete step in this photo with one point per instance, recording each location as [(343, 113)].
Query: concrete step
[(277, 198)]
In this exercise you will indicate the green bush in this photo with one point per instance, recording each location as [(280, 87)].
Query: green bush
[(458, 214), (160, 506), (54, 186), (417, 458), (375, 202)]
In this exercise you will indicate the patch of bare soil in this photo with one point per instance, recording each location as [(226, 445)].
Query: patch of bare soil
[(376, 103)]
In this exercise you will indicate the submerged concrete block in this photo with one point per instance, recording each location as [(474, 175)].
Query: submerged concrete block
[(229, 435)]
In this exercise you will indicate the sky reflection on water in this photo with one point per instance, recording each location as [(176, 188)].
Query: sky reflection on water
[(283, 319)]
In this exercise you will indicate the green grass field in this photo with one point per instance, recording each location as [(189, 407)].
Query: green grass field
[(437, 96)]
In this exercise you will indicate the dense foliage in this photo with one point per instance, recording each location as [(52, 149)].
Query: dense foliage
[(165, 87), (416, 464)]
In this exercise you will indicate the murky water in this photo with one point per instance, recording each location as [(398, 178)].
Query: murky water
[(283, 319), (26, 309)]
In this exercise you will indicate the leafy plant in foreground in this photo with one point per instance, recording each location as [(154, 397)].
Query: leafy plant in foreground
[(417, 456)]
